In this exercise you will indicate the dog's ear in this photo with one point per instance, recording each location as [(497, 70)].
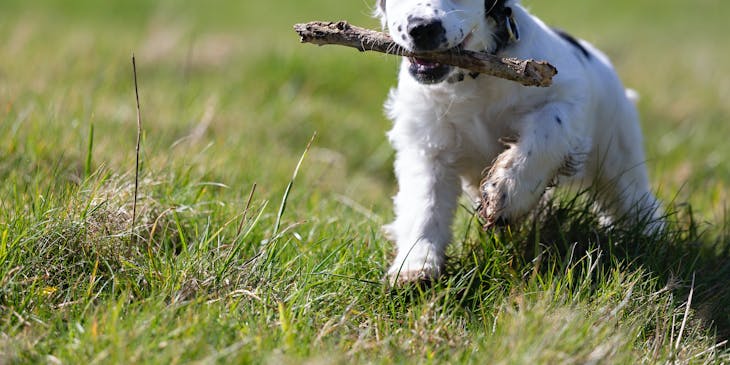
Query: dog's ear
[(379, 12)]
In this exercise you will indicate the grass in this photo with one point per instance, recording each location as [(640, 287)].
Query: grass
[(290, 272)]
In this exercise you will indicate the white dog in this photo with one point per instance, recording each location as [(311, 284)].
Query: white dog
[(451, 125)]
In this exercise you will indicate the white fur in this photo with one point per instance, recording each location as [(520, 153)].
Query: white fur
[(447, 134)]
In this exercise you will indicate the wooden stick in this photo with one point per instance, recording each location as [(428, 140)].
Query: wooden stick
[(526, 72)]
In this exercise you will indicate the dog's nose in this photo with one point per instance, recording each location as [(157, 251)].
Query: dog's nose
[(427, 34)]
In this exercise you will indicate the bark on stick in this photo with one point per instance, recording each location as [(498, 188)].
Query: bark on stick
[(526, 72)]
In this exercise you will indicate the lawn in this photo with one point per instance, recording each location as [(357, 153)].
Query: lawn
[(237, 256)]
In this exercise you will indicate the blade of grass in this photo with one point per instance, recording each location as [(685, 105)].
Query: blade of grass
[(139, 136), (289, 186), (686, 313), (89, 150)]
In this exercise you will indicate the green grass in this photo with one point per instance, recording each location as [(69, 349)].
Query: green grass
[(229, 101)]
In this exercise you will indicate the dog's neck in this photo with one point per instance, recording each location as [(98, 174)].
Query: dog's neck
[(506, 30)]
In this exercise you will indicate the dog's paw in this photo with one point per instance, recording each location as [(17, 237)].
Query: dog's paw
[(413, 272), (508, 196), (405, 279), (492, 208)]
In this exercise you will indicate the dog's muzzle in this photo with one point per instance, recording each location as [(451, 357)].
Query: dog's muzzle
[(428, 72), (427, 35)]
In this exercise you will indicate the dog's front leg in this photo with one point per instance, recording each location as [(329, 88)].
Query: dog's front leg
[(424, 208), (547, 146)]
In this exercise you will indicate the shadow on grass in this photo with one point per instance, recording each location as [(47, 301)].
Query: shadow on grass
[(568, 231)]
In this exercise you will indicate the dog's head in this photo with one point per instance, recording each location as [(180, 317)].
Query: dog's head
[(438, 25)]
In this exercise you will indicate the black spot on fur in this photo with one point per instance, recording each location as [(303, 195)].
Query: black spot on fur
[(474, 75), (490, 5), (501, 14), (574, 42), (557, 119)]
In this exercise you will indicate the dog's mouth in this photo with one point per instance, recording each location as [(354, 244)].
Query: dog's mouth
[(430, 72)]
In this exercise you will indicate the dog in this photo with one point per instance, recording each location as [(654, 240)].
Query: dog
[(502, 143)]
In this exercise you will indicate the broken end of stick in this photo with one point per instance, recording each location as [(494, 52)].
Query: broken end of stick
[(542, 72), (318, 32), (532, 72)]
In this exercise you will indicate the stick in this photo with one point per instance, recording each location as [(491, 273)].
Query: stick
[(526, 72), (139, 133)]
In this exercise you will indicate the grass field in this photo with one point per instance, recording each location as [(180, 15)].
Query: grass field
[(215, 271)]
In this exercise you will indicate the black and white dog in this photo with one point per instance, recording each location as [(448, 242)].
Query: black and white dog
[(450, 124)]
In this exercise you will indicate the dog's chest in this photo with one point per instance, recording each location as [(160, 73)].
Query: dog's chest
[(470, 128), (459, 123), (475, 135)]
